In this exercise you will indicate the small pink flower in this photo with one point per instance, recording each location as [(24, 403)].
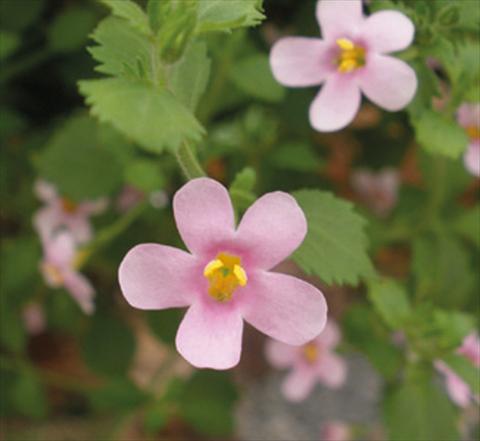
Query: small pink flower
[(468, 117), (311, 363), (62, 212), (379, 191), (350, 59), (458, 390), (34, 318), (225, 279), (58, 269), (335, 431), (128, 198)]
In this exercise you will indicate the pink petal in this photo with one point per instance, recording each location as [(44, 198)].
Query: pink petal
[(280, 355), (339, 18), (387, 31), (60, 249), (330, 336), (471, 348), (210, 336), (468, 114), (34, 318), (81, 290), (45, 191), (336, 104), (271, 229), (458, 390), (335, 431), (299, 384), (204, 214), (93, 207), (300, 62), (388, 82), (80, 227), (332, 370), (471, 158), (154, 276), (283, 307), (45, 221)]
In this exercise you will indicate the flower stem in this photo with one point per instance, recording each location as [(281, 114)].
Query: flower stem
[(188, 161)]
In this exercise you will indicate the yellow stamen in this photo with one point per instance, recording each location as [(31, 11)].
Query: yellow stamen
[(310, 352), (345, 44), (225, 274), (53, 274), (473, 132), (351, 57)]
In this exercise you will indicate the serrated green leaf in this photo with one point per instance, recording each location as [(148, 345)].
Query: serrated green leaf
[(189, 76), (9, 43), (466, 370), (160, 120), (440, 135), (468, 225), (391, 302), (131, 12), (335, 248), (253, 76), (219, 15)]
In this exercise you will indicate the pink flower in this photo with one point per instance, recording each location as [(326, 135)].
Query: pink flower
[(225, 279), (458, 390), (128, 198), (62, 212), (335, 431), (58, 269), (379, 191), (311, 363), (468, 117), (34, 318), (350, 60)]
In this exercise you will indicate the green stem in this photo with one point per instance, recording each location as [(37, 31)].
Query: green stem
[(188, 161)]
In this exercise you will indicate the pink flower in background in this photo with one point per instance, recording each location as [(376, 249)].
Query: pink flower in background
[(468, 116), (225, 279), (128, 198), (62, 212), (458, 390), (378, 191), (58, 269), (34, 318), (314, 362), (350, 60), (335, 431)]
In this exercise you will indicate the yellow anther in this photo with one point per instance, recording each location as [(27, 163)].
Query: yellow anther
[(240, 274), (347, 65), (53, 274), (350, 57), (473, 132), (345, 44), (213, 266), (310, 352)]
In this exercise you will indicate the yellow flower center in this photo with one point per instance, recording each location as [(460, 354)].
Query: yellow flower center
[(53, 274), (69, 206), (473, 132), (310, 352), (225, 274), (351, 57)]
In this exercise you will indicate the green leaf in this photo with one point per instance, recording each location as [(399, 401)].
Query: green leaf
[(219, 15), (160, 120), (164, 324), (131, 12), (109, 345), (466, 370), (335, 248), (189, 76), (77, 161), (119, 395), (145, 175), (418, 411), (391, 302), (253, 76), (28, 395), (296, 156), (468, 225), (438, 134), (207, 403), (241, 190), (9, 42), (69, 31)]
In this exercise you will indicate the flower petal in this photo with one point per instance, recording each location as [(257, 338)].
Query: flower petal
[(468, 114), (300, 62), (332, 370), (388, 82), (280, 355), (336, 104), (80, 227), (45, 221), (60, 249), (45, 191), (93, 207), (271, 229), (330, 336), (210, 336), (387, 31), (283, 307), (471, 158), (299, 384), (156, 276), (204, 214), (339, 18), (81, 290)]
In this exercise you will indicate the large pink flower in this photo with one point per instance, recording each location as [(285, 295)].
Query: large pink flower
[(311, 363), (58, 269), (469, 118), (62, 212), (458, 390), (350, 59), (225, 278)]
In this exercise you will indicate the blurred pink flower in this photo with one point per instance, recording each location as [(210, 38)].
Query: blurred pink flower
[(225, 279), (335, 431), (62, 212), (378, 191), (458, 390), (468, 117), (350, 60), (311, 363), (34, 318), (58, 269), (128, 198)]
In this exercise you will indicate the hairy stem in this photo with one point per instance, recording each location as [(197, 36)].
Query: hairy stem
[(188, 161)]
